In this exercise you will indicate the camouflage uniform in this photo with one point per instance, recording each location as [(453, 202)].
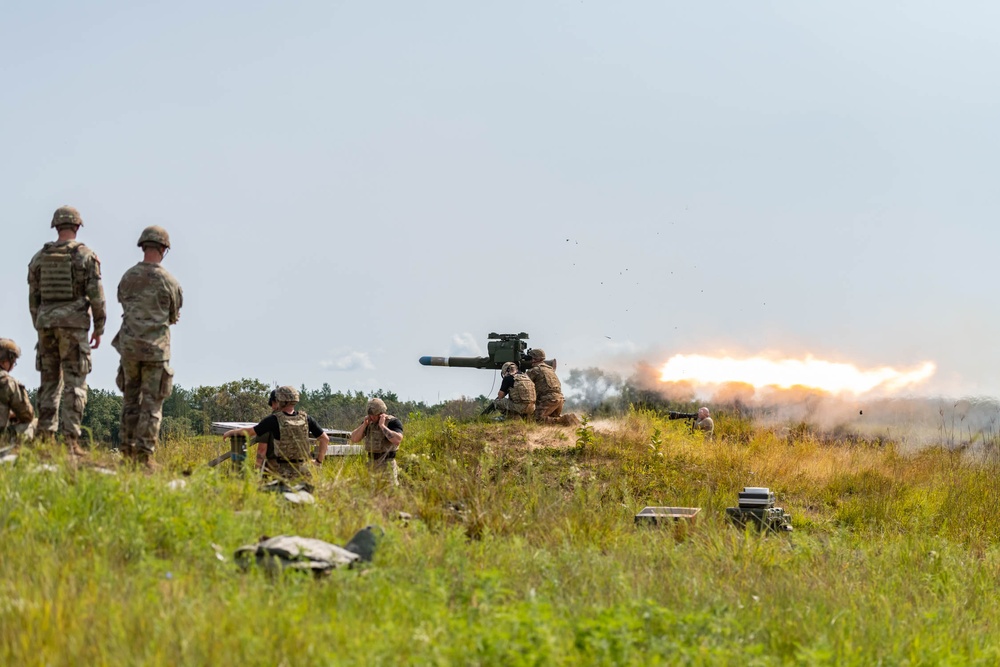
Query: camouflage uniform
[(548, 390), (17, 416), (521, 398), (151, 301), (64, 291)]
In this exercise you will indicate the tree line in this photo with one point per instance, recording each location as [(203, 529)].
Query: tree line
[(191, 411)]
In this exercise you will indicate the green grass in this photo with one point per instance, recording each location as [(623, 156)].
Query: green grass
[(519, 556)]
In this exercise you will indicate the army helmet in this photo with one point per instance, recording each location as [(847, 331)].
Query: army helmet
[(509, 368), (154, 234), (66, 215), (537, 354), (376, 406), (9, 349), (287, 394)]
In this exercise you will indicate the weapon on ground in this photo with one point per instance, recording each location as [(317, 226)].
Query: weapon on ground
[(756, 507), (340, 444), (500, 349)]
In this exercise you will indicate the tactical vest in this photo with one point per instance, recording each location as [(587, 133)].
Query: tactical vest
[(375, 441), (56, 268), (292, 443), (5, 400), (14, 401), (545, 380), (523, 389)]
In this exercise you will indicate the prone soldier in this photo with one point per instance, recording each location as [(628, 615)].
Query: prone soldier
[(64, 292), (17, 416)]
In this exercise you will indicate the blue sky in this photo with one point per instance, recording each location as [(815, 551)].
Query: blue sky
[(350, 186)]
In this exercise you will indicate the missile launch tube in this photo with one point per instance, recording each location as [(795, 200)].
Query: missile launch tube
[(472, 362), (459, 362)]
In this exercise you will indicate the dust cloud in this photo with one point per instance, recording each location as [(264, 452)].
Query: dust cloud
[(907, 421)]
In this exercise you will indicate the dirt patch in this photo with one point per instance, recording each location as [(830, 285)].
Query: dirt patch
[(551, 437), (563, 437)]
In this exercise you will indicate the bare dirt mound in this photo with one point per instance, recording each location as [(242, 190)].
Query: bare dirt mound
[(563, 437)]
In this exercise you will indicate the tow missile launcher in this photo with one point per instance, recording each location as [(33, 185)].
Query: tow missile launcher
[(756, 506), (501, 348)]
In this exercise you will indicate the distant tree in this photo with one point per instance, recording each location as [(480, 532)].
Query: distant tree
[(102, 415), (242, 400)]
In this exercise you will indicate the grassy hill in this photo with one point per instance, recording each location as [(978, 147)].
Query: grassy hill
[(522, 550)]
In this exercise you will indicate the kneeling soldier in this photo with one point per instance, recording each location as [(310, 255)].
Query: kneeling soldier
[(289, 452), (516, 395), (548, 389), (17, 417)]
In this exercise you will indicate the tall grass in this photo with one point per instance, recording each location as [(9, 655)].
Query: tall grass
[(517, 554)]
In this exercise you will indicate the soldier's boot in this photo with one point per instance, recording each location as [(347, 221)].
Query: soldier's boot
[(73, 445), (144, 460), (128, 454), (569, 420)]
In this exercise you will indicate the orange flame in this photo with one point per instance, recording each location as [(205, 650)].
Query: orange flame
[(829, 376)]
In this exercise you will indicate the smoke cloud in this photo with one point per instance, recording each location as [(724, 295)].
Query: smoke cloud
[(908, 421)]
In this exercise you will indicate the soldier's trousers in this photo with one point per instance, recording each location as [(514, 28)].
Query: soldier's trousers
[(297, 471), (17, 433), (381, 465), (549, 408), (62, 356), (145, 385), (509, 407)]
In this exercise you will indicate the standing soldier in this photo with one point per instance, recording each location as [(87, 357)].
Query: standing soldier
[(548, 390), (382, 434), (151, 301), (17, 417), (64, 291)]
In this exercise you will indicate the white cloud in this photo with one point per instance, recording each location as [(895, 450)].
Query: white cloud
[(464, 345), (349, 361)]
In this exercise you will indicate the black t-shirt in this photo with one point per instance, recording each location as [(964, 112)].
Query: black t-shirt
[(269, 426), (506, 384), (392, 424)]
